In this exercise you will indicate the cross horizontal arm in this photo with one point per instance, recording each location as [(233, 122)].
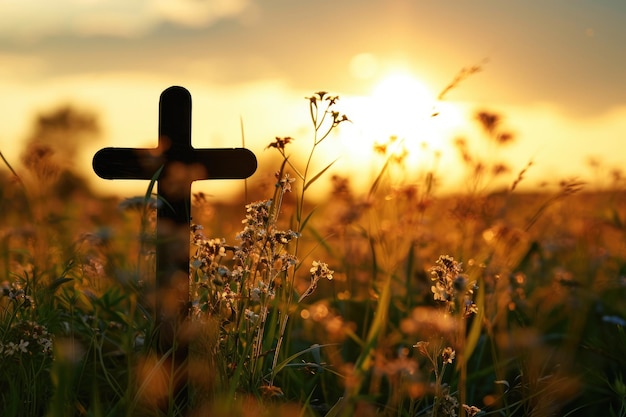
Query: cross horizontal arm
[(142, 164)]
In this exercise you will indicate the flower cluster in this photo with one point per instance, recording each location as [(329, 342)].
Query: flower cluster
[(15, 292), (11, 348), (448, 354), (210, 292), (318, 270), (322, 96), (284, 182), (255, 229), (471, 411), (26, 337), (262, 248), (237, 289), (452, 286), (209, 252), (280, 143), (444, 274), (256, 264)]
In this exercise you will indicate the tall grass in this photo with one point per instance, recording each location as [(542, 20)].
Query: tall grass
[(392, 301)]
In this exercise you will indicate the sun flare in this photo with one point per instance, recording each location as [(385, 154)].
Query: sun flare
[(405, 93), (402, 107)]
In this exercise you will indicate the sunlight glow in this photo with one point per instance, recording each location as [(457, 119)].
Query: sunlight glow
[(403, 107), (404, 93), (364, 66)]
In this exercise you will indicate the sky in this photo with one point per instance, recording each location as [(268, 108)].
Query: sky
[(555, 71)]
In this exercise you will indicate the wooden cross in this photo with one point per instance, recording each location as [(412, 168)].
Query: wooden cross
[(175, 164)]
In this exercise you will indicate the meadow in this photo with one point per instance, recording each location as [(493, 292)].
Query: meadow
[(389, 301)]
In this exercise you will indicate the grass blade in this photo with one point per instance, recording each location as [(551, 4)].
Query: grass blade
[(319, 174)]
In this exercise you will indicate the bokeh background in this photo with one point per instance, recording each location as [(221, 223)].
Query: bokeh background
[(553, 70)]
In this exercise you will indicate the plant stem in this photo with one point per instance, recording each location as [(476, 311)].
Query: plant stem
[(6, 162)]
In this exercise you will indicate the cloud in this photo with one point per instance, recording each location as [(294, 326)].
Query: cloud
[(31, 20), (197, 13)]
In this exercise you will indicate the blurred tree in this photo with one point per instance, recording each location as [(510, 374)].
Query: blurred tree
[(54, 144), (65, 128)]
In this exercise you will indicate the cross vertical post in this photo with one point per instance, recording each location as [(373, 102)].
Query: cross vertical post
[(178, 164)]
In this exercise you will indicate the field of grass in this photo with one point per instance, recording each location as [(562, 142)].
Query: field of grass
[(392, 301)]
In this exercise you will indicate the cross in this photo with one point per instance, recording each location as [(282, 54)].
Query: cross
[(175, 164)]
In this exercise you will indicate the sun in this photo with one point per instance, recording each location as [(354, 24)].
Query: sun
[(404, 94), (400, 105), (402, 112)]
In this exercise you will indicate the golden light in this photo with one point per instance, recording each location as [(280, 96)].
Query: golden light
[(406, 97), (364, 66), (403, 107)]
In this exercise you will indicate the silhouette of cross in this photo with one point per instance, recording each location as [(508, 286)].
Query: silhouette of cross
[(175, 164)]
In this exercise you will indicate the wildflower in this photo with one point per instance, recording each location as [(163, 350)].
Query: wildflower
[(285, 182), (339, 118), (451, 286), (16, 293), (228, 295), (22, 346), (317, 96), (321, 270), (448, 355), (280, 143), (318, 270), (46, 345), (284, 237), (422, 348), (443, 274), (332, 99), (10, 349), (471, 411), (260, 292), (257, 214)]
